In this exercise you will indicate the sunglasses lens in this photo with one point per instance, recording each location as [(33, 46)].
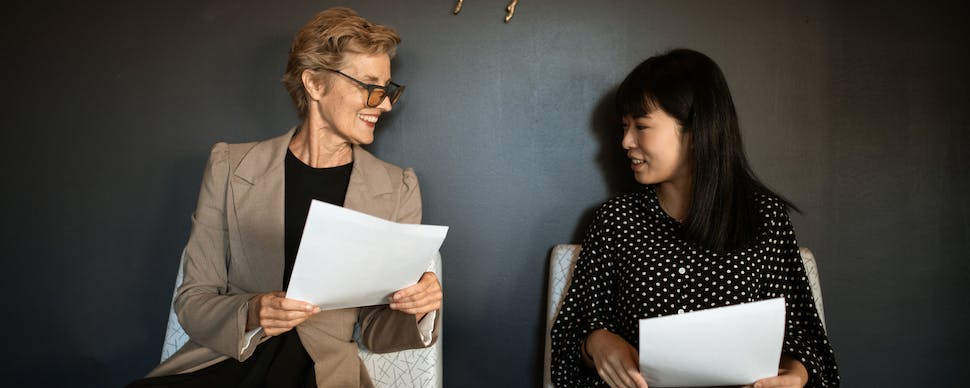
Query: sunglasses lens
[(375, 98), (396, 94)]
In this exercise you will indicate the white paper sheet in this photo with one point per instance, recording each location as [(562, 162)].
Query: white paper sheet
[(350, 259), (733, 345)]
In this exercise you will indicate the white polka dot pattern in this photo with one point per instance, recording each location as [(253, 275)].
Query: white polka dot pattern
[(635, 265)]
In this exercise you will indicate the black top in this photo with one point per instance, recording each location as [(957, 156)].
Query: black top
[(305, 183), (635, 265)]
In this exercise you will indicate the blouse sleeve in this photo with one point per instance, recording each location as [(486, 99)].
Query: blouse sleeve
[(805, 339), (585, 308)]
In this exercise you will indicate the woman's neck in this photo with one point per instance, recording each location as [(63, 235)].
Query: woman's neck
[(319, 147), (674, 199)]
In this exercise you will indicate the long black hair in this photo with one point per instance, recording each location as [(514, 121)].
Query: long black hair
[(690, 87)]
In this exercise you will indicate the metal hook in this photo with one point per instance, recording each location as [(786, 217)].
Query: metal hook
[(511, 10)]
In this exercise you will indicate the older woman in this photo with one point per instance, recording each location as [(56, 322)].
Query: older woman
[(250, 216), (703, 232)]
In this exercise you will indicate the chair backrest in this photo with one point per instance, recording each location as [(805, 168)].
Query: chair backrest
[(563, 260), (408, 368), (175, 337)]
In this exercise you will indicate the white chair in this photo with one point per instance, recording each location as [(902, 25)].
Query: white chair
[(563, 260), (408, 368)]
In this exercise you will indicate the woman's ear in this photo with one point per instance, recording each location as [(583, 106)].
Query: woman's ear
[(313, 85)]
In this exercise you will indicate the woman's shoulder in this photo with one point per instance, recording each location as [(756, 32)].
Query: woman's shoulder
[(257, 156), (366, 161), (249, 160), (622, 205), (237, 151), (629, 199), (772, 213), (770, 205)]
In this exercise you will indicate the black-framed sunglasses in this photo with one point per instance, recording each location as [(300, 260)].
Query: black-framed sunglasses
[(376, 93)]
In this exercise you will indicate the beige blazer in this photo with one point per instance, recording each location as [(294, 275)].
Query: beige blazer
[(235, 250)]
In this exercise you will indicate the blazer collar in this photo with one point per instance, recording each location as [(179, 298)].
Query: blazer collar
[(368, 172), (265, 158), (368, 178)]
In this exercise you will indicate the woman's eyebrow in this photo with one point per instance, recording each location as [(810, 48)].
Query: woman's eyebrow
[(370, 78)]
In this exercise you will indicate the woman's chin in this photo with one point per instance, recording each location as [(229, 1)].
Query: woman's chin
[(644, 179)]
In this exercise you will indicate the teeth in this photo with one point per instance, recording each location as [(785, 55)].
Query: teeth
[(637, 161), (369, 119)]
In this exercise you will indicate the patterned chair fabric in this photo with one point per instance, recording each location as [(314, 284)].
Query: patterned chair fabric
[(563, 259), (408, 368)]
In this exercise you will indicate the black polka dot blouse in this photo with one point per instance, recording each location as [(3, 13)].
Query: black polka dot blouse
[(635, 265)]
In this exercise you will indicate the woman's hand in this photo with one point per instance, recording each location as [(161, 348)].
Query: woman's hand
[(420, 298), (615, 359), (276, 314), (791, 374)]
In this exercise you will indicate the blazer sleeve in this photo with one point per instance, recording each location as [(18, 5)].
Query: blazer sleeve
[(384, 330), (208, 314)]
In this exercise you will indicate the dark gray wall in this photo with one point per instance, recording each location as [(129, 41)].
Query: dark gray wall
[(858, 113)]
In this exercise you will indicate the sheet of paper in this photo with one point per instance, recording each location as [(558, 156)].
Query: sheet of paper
[(733, 345), (350, 259)]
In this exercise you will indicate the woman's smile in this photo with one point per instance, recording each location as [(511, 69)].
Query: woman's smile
[(369, 120)]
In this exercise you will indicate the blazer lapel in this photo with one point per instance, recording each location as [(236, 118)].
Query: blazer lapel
[(258, 199), (258, 202), (370, 186)]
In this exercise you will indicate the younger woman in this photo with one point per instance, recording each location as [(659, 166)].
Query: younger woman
[(702, 233)]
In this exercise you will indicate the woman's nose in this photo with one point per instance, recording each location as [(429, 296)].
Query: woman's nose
[(628, 141), (385, 104)]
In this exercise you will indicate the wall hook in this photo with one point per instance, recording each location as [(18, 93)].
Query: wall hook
[(511, 10)]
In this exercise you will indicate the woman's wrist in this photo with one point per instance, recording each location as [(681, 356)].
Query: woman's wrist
[(791, 366), (252, 313), (586, 351)]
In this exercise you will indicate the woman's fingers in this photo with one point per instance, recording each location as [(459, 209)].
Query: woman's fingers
[(787, 377), (779, 382), (283, 304), (615, 359), (277, 300), (636, 378), (606, 373), (283, 323), (418, 305), (428, 284), (609, 380), (625, 374), (279, 326), (633, 369), (423, 297), (609, 368), (276, 314), (284, 315)]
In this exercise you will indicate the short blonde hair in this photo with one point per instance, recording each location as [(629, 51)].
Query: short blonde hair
[(323, 42)]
